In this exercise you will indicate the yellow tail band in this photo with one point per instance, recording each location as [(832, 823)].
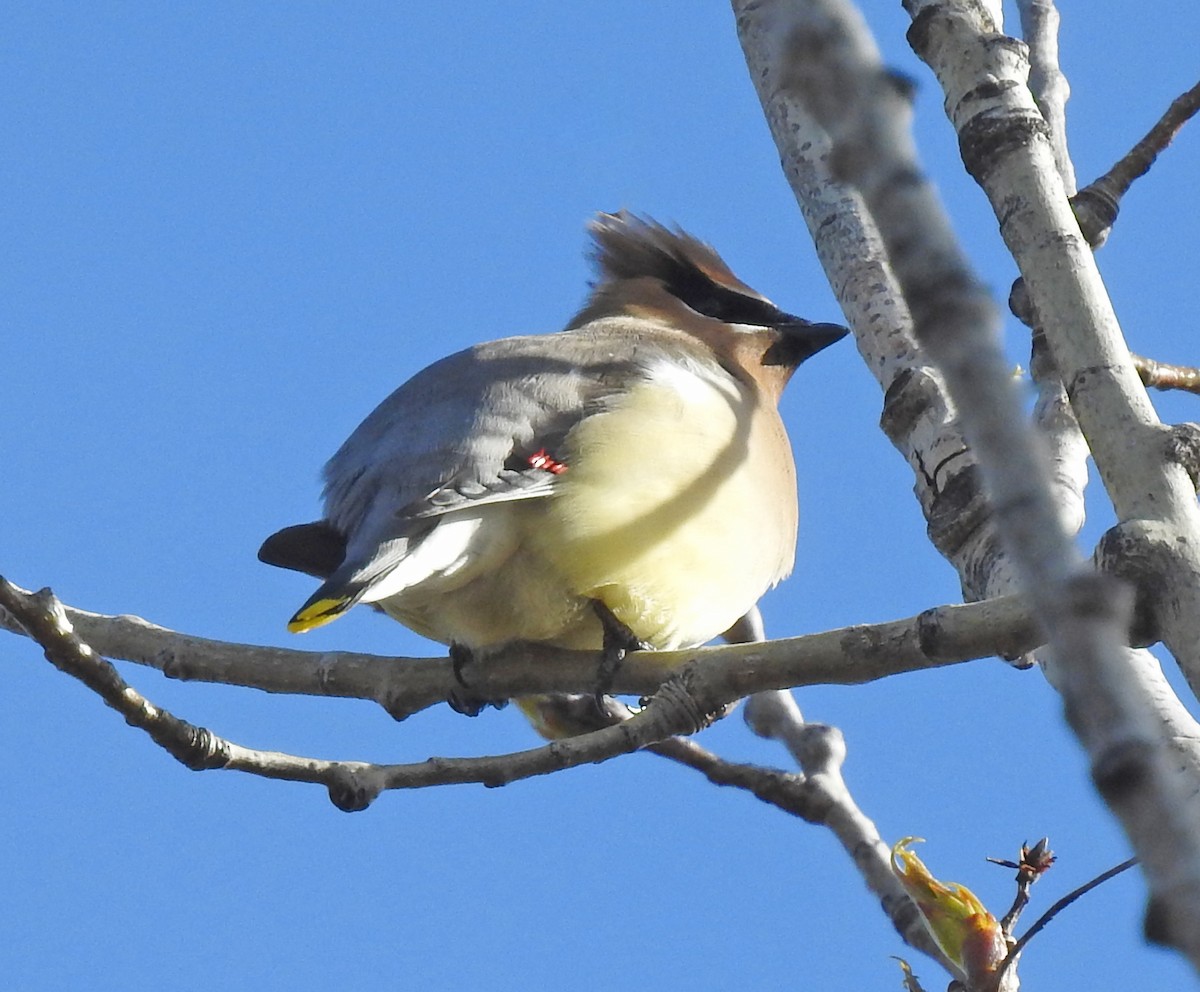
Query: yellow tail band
[(316, 615)]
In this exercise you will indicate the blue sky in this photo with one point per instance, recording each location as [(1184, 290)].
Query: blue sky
[(231, 229)]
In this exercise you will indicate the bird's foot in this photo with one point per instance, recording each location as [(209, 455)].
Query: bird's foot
[(619, 640), (464, 699)]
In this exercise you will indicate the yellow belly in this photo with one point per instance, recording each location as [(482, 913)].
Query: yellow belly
[(678, 510)]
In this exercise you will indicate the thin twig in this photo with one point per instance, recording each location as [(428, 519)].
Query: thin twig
[(1057, 908), (911, 982), (1097, 204), (786, 791), (1162, 375), (1033, 864), (679, 707), (1039, 26), (43, 619)]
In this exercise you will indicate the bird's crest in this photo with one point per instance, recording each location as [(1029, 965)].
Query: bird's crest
[(628, 246)]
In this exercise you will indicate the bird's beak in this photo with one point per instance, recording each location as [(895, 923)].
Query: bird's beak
[(802, 339)]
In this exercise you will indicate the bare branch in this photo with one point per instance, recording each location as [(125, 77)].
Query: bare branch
[(905, 213), (1039, 27), (944, 635), (1058, 907), (1161, 375), (808, 61), (1033, 863), (820, 796), (1058, 430), (43, 619), (679, 707), (1097, 204), (1053, 417), (808, 796), (820, 750), (1003, 141)]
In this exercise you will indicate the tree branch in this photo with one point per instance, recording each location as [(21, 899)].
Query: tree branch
[(805, 60), (868, 124), (1058, 906), (1161, 375), (1003, 140), (1053, 417), (1039, 27), (820, 751), (682, 705), (943, 635), (1097, 204), (820, 797)]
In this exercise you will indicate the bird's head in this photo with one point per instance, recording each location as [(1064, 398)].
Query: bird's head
[(667, 275)]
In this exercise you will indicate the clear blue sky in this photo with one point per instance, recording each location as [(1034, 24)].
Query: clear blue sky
[(229, 230)]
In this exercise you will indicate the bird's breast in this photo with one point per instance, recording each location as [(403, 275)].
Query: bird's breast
[(678, 507)]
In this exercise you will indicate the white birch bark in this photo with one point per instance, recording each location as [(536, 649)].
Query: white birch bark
[(1120, 717), (1005, 147), (918, 415)]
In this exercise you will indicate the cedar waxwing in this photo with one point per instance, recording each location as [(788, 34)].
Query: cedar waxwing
[(626, 481)]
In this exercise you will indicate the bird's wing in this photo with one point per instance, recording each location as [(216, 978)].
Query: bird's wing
[(482, 425), (479, 427)]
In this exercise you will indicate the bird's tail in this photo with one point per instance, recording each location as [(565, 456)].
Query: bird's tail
[(317, 549), (333, 598)]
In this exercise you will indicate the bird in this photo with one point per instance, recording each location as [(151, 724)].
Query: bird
[(626, 482)]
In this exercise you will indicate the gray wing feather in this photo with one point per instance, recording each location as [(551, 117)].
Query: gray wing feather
[(456, 433), (509, 484)]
